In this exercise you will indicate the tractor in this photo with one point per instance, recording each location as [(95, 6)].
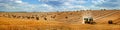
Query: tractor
[(89, 20)]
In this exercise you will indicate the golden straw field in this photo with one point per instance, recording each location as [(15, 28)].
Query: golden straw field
[(70, 20)]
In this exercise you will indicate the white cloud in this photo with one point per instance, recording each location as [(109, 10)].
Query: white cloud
[(70, 0), (102, 4), (19, 1), (68, 5), (49, 0), (98, 1), (80, 2)]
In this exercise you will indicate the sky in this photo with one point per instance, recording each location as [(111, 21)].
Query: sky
[(56, 5)]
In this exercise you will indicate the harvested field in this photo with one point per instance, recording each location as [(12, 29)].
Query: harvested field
[(59, 20)]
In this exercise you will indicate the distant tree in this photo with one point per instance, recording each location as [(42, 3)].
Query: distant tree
[(103, 9)]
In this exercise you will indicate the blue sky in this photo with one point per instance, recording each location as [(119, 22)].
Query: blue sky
[(56, 5)]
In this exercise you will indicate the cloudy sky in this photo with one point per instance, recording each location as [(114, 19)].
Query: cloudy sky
[(56, 5)]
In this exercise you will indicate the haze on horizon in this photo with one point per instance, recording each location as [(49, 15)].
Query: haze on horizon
[(56, 5)]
